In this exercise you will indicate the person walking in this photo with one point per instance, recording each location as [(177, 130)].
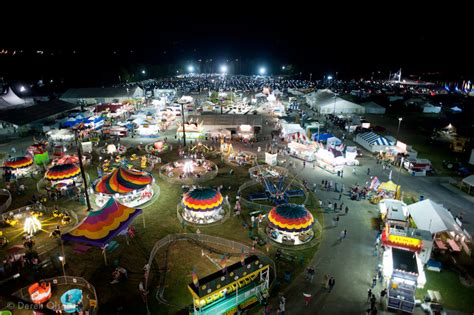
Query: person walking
[(326, 282), (369, 294), (341, 236), (373, 300), (345, 233), (340, 197), (368, 171), (374, 281), (383, 294), (307, 298), (347, 209), (335, 206), (337, 220), (332, 283)]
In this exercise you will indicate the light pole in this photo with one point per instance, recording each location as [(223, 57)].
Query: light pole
[(184, 131), (63, 261), (81, 166), (401, 160)]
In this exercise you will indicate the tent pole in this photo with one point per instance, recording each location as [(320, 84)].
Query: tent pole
[(143, 218), (105, 256)]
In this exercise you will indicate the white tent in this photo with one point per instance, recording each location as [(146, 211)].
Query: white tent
[(456, 109), (289, 129), (431, 109), (469, 182), (326, 102), (372, 141), (373, 108), (433, 217), (10, 100)]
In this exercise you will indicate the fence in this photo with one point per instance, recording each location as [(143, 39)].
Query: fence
[(24, 295), (209, 239), (7, 202)]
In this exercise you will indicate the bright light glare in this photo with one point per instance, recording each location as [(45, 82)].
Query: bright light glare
[(329, 77), (283, 68), (262, 70), (188, 167), (22, 89), (190, 68), (223, 68), (143, 71), (32, 225)]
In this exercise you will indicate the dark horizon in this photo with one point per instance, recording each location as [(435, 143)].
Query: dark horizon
[(353, 45)]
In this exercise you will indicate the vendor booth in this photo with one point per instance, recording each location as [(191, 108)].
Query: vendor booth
[(404, 273), (40, 154), (330, 160), (290, 224), (193, 130), (203, 206), (306, 152), (60, 136), (385, 190), (448, 231), (130, 187), (245, 132), (372, 141)]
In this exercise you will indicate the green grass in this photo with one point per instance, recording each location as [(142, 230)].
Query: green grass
[(454, 294)]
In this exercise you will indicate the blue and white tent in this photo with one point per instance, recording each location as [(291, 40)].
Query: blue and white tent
[(372, 141)]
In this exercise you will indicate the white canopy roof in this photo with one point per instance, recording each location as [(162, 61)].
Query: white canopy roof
[(431, 216), (469, 180), (10, 99)]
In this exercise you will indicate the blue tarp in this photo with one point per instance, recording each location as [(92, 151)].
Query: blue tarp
[(322, 136)]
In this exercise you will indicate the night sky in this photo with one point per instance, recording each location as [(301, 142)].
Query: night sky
[(318, 40)]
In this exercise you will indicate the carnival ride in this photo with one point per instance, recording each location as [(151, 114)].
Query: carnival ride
[(203, 206), (71, 301), (234, 288), (275, 192), (40, 293), (290, 224), (130, 187)]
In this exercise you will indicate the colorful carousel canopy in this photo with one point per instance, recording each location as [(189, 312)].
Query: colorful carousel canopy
[(63, 171), (123, 181), (19, 162), (100, 226), (291, 218), (202, 199)]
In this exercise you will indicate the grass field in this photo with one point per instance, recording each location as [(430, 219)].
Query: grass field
[(454, 294)]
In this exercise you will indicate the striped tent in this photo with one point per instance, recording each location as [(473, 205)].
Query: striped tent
[(100, 226), (63, 171), (290, 218), (19, 162), (122, 181), (375, 139), (203, 199)]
